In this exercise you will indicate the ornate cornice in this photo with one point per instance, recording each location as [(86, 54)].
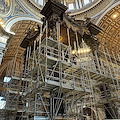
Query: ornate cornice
[(86, 7), (94, 10), (35, 5)]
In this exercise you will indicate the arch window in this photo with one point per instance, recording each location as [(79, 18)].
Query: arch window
[(86, 2), (71, 6), (40, 2)]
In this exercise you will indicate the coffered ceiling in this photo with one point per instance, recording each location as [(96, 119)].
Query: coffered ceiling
[(110, 24), (20, 29)]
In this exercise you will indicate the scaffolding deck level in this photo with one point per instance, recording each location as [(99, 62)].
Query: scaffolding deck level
[(49, 85)]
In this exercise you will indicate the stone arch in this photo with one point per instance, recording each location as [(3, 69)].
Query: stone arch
[(12, 21)]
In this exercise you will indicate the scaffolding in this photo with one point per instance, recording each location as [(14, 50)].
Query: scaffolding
[(12, 89), (59, 81), (59, 84), (59, 78), (56, 78)]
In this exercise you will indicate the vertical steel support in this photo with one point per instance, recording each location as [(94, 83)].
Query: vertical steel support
[(68, 34), (46, 49)]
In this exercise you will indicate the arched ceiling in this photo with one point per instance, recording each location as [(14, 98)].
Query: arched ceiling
[(110, 24), (20, 29)]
